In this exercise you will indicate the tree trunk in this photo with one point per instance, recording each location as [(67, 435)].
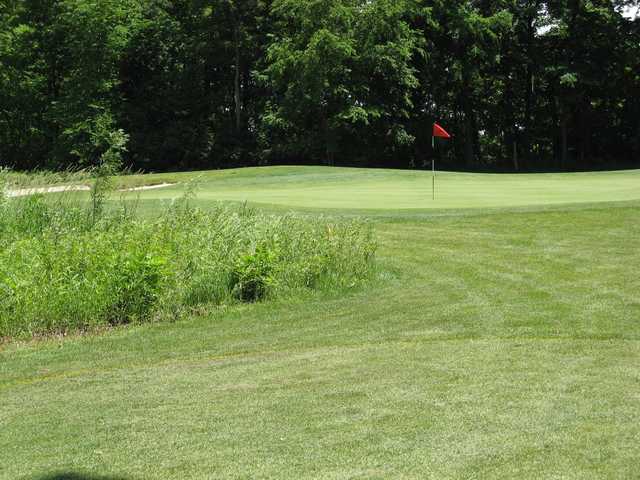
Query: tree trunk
[(564, 143), (326, 136), (528, 101), (529, 90), (637, 144), (237, 94), (584, 124), (585, 152), (468, 141)]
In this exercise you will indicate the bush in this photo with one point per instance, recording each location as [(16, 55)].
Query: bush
[(60, 270), (252, 275)]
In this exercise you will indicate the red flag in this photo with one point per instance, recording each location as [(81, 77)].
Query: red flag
[(440, 132)]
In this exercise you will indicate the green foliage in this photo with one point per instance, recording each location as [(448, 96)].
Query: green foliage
[(98, 142), (4, 184), (252, 275), (62, 66), (137, 285), (63, 270), (199, 84), (103, 147), (341, 71)]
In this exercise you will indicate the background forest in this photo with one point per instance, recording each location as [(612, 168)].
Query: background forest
[(200, 84)]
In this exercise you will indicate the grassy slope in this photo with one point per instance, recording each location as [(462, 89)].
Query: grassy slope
[(504, 345)]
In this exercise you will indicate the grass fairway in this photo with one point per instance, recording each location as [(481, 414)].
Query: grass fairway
[(501, 345)]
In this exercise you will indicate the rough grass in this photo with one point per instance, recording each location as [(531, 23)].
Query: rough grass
[(19, 180), (61, 270), (505, 345)]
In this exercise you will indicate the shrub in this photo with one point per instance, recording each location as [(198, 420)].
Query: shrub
[(252, 275), (61, 270)]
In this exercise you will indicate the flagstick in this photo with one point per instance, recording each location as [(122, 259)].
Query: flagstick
[(433, 167)]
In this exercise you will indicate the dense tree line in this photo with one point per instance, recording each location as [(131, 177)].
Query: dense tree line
[(185, 84)]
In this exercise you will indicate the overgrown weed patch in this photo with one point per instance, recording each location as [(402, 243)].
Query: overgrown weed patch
[(63, 270)]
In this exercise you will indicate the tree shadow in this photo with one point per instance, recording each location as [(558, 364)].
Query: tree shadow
[(77, 476)]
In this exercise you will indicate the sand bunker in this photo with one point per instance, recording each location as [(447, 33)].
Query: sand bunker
[(25, 192)]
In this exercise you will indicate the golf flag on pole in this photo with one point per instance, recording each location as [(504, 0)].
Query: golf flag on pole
[(439, 132)]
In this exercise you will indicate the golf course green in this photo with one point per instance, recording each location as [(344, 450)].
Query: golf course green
[(383, 190), (501, 339)]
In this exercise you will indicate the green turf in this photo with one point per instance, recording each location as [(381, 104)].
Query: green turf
[(501, 345), (362, 189)]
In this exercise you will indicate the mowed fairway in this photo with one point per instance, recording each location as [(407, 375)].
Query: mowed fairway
[(499, 343)]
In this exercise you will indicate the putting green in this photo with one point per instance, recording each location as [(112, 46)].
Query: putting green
[(369, 189)]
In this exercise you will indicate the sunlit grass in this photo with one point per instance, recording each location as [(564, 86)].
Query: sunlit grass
[(500, 344), (371, 191), (64, 269)]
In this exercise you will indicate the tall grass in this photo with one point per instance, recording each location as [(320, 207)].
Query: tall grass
[(61, 269), (19, 180)]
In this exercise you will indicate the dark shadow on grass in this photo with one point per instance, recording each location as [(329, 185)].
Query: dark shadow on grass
[(77, 476)]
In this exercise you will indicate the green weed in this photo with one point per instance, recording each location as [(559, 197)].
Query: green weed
[(62, 269)]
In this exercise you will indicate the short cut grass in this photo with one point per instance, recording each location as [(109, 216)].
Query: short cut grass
[(503, 343)]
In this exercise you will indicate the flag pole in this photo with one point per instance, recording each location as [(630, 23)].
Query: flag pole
[(433, 167), (438, 131)]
